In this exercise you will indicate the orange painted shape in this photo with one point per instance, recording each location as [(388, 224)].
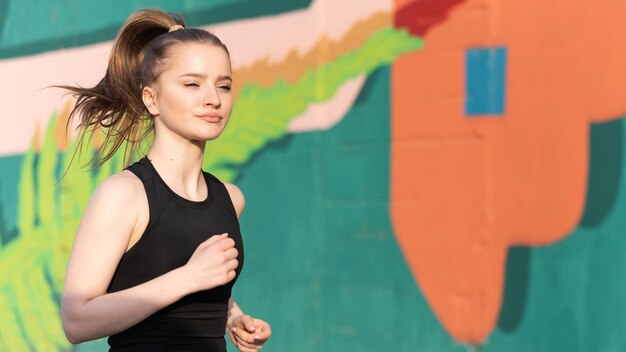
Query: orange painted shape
[(463, 190)]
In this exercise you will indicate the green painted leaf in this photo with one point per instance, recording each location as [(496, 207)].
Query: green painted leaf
[(262, 115)]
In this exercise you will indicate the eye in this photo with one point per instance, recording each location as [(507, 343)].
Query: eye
[(225, 87), (192, 84)]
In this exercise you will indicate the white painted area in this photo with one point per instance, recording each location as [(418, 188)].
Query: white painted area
[(325, 115), (274, 37), (26, 102)]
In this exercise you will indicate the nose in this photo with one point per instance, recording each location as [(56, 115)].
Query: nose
[(211, 97)]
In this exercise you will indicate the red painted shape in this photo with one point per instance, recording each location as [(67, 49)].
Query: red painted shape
[(419, 16)]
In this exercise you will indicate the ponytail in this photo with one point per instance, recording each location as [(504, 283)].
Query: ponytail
[(114, 105)]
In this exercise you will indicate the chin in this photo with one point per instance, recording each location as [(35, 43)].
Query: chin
[(211, 132), (207, 136)]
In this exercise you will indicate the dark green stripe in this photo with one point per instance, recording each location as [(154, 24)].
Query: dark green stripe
[(4, 10), (249, 9)]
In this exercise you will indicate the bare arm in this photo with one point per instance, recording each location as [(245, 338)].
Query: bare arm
[(239, 202), (247, 333), (88, 311)]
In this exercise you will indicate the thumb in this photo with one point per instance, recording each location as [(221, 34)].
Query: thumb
[(247, 321)]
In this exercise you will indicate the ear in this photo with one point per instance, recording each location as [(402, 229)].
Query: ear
[(148, 95)]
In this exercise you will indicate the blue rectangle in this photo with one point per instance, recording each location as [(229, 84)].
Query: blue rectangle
[(485, 81)]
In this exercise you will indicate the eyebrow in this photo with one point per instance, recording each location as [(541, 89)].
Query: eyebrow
[(204, 76)]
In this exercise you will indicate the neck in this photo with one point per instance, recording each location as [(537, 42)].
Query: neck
[(179, 162)]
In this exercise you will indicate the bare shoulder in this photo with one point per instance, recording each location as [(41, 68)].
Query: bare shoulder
[(119, 195), (123, 186), (114, 210), (236, 196)]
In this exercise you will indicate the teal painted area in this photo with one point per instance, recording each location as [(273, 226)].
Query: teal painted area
[(322, 263), (29, 27), (4, 6), (576, 288), (9, 178), (576, 294)]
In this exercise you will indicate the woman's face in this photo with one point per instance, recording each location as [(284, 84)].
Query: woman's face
[(192, 96)]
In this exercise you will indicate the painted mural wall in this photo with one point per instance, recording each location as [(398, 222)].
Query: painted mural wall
[(420, 175)]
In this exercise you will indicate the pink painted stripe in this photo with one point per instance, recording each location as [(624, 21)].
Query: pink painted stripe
[(26, 103)]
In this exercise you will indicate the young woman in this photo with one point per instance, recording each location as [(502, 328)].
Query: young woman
[(158, 249)]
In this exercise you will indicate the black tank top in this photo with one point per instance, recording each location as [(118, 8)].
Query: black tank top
[(175, 229)]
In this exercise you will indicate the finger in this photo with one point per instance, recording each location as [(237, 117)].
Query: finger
[(244, 345), (232, 264), (244, 336), (241, 345), (245, 349), (252, 349), (213, 239), (260, 339), (231, 253), (227, 276), (224, 243), (264, 330)]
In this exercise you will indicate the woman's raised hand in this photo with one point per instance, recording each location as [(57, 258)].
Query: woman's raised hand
[(213, 263)]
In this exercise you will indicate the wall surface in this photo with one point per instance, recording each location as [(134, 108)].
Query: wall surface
[(419, 175)]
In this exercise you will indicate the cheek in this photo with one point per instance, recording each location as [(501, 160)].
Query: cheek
[(174, 100), (227, 103)]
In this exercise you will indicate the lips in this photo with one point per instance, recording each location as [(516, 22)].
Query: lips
[(213, 118)]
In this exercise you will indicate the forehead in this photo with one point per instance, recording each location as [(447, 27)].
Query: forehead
[(207, 59)]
